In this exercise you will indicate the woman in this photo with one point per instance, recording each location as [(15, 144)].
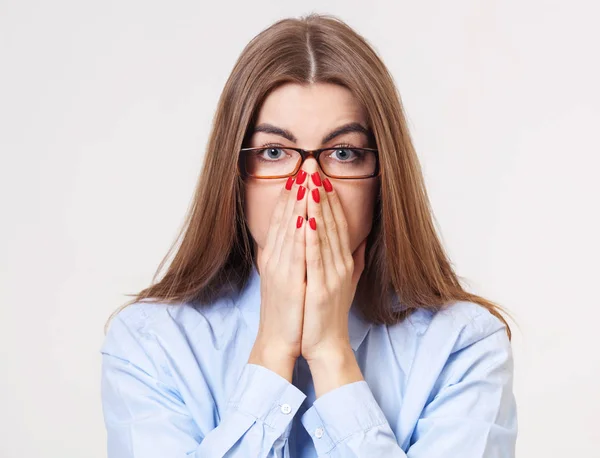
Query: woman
[(310, 309)]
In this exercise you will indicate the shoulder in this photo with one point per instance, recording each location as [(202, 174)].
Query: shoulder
[(462, 322), (139, 315), (141, 323), (442, 346), (128, 339), (469, 339), (468, 323), (461, 330), (138, 318)]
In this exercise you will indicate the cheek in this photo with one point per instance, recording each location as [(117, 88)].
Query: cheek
[(258, 205), (358, 205)]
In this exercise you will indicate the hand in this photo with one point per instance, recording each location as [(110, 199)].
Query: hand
[(332, 275), (282, 268)]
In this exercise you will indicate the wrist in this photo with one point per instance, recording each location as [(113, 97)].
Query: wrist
[(332, 354), (334, 368), (332, 357), (276, 361)]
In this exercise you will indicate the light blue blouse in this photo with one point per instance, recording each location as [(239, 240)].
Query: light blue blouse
[(176, 383)]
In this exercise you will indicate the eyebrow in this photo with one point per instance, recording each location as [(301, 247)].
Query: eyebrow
[(346, 128)]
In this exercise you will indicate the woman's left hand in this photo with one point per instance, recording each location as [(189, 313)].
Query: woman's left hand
[(332, 274)]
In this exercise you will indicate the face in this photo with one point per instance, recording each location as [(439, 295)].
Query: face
[(309, 113)]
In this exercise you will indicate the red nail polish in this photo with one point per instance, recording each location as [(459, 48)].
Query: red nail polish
[(327, 185), (316, 196), (299, 221), (301, 191), (313, 224), (289, 183), (301, 176), (316, 178)]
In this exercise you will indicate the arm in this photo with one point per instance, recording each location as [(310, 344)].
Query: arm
[(345, 419), (473, 415), (146, 418)]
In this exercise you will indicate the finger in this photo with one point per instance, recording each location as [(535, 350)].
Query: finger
[(314, 210), (331, 229), (299, 255), (276, 217), (340, 220), (294, 241), (296, 191), (315, 277)]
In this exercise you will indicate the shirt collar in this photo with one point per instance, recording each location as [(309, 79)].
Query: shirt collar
[(248, 302)]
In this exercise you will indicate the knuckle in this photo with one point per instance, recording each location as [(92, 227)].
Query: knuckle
[(314, 262), (343, 225), (330, 221), (288, 235), (269, 268), (299, 234), (349, 264), (320, 296), (333, 196), (333, 230), (313, 242)]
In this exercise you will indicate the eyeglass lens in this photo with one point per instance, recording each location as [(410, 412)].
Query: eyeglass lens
[(343, 162)]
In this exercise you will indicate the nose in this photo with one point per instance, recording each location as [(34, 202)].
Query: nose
[(310, 165)]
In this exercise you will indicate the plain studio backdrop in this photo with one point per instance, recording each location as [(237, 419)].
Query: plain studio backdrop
[(105, 110)]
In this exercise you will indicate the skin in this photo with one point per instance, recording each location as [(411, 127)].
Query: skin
[(334, 257)]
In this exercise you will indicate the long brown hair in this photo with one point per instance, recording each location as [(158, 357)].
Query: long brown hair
[(406, 267)]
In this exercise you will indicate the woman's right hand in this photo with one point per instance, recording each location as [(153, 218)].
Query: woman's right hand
[(282, 269)]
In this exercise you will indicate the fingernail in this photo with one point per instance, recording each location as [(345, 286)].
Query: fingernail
[(289, 183), (299, 222), (316, 178), (327, 185), (301, 191), (316, 196), (313, 223), (301, 176)]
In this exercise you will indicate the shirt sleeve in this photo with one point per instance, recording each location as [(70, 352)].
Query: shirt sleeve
[(473, 415), (145, 416)]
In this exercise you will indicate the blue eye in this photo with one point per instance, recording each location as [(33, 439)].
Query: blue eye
[(269, 152), (340, 153), (346, 151)]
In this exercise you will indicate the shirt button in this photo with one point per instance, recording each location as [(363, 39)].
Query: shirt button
[(285, 408), (319, 433)]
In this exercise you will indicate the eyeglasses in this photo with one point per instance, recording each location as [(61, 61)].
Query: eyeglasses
[(280, 162)]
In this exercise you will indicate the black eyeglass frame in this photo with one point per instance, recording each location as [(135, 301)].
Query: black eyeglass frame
[(316, 153)]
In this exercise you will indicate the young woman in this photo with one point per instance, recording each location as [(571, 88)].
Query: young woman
[(310, 309)]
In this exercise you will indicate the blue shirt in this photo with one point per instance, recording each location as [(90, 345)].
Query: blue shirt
[(176, 383)]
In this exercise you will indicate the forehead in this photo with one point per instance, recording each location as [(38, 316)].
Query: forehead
[(311, 108)]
